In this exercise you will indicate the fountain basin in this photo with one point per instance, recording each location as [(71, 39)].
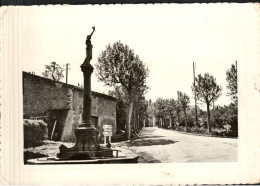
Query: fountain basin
[(105, 160)]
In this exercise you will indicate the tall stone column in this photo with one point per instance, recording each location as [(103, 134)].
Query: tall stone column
[(86, 146), (87, 70)]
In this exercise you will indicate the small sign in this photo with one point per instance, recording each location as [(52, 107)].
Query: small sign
[(110, 130), (107, 130), (107, 133), (107, 127)]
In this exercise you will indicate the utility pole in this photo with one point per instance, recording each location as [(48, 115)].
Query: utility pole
[(196, 114), (67, 69)]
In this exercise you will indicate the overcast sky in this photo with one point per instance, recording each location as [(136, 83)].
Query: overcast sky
[(168, 38)]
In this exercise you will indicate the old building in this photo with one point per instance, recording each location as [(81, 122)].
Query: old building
[(61, 105)]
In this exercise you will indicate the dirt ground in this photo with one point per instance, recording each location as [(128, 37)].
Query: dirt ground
[(159, 145)]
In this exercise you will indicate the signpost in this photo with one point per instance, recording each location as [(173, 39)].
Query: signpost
[(107, 132)]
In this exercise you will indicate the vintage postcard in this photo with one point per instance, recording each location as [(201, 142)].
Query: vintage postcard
[(130, 94)]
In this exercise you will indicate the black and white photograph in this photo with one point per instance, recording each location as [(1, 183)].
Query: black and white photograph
[(133, 84), (131, 88)]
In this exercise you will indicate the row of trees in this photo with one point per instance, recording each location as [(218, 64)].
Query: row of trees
[(167, 110), (207, 91), (120, 68)]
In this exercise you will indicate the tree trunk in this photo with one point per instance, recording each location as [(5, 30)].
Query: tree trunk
[(133, 121), (208, 119), (128, 120), (178, 117), (171, 121), (134, 124), (137, 126), (186, 124), (138, 121), (163, 123)]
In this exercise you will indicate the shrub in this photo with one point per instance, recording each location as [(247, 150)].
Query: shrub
[(35, 131), (195, 129), (203, 130), (234, 126), (203, 122), (180, 128), (225, 118), (218, 131)]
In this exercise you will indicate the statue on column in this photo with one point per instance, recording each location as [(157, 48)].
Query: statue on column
[(89, 47)]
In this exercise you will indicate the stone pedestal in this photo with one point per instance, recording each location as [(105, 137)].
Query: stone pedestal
[(86, 146)]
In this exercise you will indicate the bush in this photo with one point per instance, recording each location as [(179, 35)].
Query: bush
[(203, 130), (180, 128), (35, 131), (195, 129), (214, 131), (234, 126), (218, 131), (223, 117), (119, 136)]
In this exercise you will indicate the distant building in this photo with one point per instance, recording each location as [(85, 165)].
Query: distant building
[(150, 121), (63, 103)]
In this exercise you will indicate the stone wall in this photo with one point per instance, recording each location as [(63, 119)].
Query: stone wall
[(43, 96), (104, 107)]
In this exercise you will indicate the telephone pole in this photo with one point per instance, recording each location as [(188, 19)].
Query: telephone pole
[(67, 69), (196, 114)]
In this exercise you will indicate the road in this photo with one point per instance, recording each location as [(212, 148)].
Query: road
[(168, 146)]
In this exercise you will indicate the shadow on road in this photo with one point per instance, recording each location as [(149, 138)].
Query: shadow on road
[(145, 137), (146, 158), (149, 130), (151, 142)]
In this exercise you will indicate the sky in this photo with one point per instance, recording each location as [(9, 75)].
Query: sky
[(168, 39)]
